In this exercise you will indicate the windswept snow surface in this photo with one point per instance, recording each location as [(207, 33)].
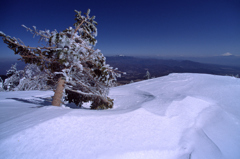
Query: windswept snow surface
[(180, 116)]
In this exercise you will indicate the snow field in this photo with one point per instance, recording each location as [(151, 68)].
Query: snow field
[(179, 116)]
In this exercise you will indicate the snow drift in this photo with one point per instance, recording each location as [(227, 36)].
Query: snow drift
[(180, 116)]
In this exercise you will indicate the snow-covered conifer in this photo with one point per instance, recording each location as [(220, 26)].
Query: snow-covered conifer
[(1, 85), (70, 56), (34, 79), (31, 78), (12, 70), (14, 77), (148, 75)]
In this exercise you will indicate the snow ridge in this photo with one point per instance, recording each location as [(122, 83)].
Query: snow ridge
[(180, 116)]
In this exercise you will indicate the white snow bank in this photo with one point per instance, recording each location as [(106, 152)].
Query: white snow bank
[(179, 116)]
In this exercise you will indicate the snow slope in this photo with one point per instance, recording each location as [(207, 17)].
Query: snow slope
[(180, 116)]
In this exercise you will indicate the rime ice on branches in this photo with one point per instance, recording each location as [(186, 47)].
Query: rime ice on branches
[(70, 56)]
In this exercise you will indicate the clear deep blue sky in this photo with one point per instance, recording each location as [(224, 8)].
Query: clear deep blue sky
[(134, 27)]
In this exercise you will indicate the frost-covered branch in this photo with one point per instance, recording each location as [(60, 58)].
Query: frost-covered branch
[(43, 34), (19, 43)]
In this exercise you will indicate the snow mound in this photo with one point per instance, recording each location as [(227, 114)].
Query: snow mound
[(179, 116), (189, 108)]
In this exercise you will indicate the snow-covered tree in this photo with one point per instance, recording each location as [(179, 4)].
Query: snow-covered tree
[(1, 85), (80, 69), (1, 81), (31, 78), (12, 70), (148, 75), (34, 79), (14, 77)]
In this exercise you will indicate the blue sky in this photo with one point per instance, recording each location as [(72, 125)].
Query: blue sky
[(129, 27)]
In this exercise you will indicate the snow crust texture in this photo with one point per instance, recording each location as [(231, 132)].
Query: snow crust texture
[(180, 116)]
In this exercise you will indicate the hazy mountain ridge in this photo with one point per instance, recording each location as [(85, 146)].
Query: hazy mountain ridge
[(230, 60), (136, 67)]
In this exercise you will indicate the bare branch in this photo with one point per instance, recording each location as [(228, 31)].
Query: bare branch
[(78, 27)]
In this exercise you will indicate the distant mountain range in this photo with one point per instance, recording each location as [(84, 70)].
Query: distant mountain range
[(229, 60), (136, 67)]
